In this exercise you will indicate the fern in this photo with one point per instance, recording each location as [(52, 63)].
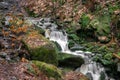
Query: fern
[(101, 24), (84, 21)]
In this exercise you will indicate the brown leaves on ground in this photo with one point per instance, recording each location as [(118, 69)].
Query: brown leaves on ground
[(12, 50), (17, 24), (74, 76), (38, 6), (65, 10), (20, 71), (11, 36), (34, 39)]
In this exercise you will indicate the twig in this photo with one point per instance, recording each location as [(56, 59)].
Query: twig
[(20, 46), (116, 55)]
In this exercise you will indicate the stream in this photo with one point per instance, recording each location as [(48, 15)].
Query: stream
[(95, 71)]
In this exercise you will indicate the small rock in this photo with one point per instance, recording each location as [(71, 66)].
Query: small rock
[(3, 5), (3, 54), (76, 47), (103, 39)]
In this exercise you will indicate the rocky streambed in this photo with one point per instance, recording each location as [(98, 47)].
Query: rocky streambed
[(35, 49), (24, 53)]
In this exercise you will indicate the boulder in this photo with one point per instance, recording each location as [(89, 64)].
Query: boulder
[(40, 48), (50, 70), (76, 47), (69, 60)]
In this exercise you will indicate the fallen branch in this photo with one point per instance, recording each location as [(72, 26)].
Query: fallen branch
[(116, 55)]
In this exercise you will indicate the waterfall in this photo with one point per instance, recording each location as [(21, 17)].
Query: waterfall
[(59, 37), (90, 68)]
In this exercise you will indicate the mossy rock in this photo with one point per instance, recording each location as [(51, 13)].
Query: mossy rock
[(40, 48), (69, 60), (49, 70), (57, 46), (40, 30)]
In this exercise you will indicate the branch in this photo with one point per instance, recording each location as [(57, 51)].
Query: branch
[(116, 55)]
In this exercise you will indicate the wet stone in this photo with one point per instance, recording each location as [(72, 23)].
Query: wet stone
[(3, 5), (3, 54), (89, 75)]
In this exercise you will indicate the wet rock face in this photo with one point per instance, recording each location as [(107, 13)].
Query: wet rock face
[(89, 75)]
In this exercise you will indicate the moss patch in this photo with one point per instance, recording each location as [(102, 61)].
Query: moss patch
[(49, 70), (69, 61), (40, 48)]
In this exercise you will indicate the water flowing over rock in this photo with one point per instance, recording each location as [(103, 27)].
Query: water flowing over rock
[(60, 38), (90, 68)]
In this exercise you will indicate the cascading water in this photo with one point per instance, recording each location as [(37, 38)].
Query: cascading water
[(90, 68), (59, 37)]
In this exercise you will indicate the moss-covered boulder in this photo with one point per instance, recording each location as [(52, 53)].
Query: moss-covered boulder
[(20, 71), (69, 60), (50, 70), (40, 48)]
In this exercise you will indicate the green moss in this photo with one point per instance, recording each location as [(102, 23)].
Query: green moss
[(103, 53), (69, 61), (84, 21), (45, 53), (49, 70), (40, 30), (40, 48), (62, 56)]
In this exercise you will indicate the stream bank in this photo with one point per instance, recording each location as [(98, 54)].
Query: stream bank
[(16, 61), (98, 45)]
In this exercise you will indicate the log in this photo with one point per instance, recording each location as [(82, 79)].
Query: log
[(116, 55)]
